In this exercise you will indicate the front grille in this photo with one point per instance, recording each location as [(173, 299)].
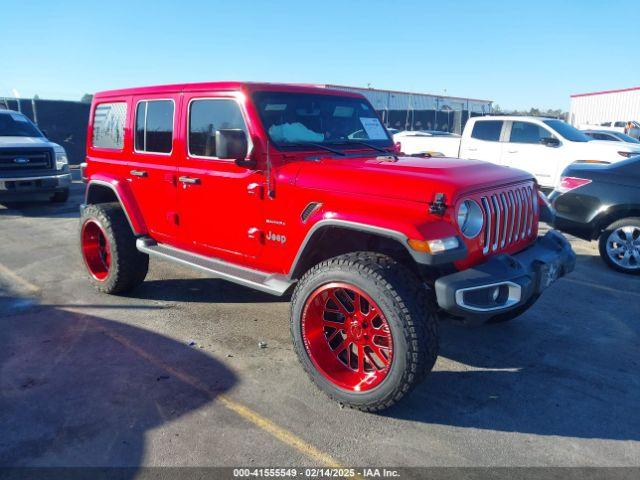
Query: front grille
[(509, 217), (25, 159)]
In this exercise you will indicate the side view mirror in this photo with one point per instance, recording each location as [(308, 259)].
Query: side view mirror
[(550, 142), (232, 143)]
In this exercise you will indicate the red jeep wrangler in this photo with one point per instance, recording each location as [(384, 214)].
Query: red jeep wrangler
[(290, 188)]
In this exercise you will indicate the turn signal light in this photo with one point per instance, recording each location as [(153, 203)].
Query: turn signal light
[(598, 162), (438, 245), (570, 183)]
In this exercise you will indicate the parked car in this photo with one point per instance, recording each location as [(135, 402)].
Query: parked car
[(432, 142), (541, 146), (603, 203), (31, 167), (263, 185), (631, 128), (610, 136)]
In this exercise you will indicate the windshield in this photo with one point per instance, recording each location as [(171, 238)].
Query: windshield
[(299, 120), (626, 138), (14, 124), (567, 131)]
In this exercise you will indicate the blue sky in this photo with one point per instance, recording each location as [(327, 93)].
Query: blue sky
[(518, 54)]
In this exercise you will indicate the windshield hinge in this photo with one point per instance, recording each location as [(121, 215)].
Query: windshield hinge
[(439, 204)]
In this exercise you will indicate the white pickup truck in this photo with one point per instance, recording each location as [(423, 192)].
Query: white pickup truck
[(541, 146)]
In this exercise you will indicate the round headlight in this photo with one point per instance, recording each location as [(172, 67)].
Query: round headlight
[(470, 218)]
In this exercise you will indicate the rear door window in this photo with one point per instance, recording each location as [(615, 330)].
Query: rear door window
[(488, 130), (602, 136), (525, 132), (108, 125), (154, 126)]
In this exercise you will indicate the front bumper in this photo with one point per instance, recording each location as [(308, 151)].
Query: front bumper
[(506, 282), (31, 187)]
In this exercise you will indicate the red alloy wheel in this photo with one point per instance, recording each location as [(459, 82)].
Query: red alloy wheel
[(95, 250), (347, 337)]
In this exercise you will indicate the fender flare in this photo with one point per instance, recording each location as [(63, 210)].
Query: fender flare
[(420, 257), (605, 218), (126, 199)]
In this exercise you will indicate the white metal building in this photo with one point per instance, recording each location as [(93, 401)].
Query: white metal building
[(608, 106), (421, 111)]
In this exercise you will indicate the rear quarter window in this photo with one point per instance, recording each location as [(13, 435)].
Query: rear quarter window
[(488, 130), (108, 125)]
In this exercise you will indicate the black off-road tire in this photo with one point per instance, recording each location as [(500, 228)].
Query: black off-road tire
[(409, 311), (129, 266), (602, 244), (60, 197)]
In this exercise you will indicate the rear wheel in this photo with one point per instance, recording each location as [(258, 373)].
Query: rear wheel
[(109, 250), (619, 245), (363, 330)]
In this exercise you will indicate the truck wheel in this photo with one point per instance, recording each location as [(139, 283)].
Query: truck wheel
[(61, 196), (363, 329), (620, 245), (109, 250)]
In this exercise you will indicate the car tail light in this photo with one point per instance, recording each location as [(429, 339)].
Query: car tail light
[(570, 183)]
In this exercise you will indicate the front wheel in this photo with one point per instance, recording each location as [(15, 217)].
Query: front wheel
[(619, 245), (363, 329)]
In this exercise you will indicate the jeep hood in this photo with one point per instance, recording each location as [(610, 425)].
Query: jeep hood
[(407, 178)]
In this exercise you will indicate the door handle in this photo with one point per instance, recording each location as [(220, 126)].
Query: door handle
[(138, 173), (189, 180), (472, 149), (512, 151)]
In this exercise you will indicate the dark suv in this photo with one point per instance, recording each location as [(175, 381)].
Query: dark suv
[(31, 167), (597, 202)]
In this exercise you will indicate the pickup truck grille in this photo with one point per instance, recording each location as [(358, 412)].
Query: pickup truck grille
[(509, 217), (25, 159)]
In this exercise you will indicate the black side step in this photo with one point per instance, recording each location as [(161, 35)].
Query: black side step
[(266, 282)]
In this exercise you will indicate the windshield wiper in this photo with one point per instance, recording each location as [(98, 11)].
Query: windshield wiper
[(358, 142), (316, 145)]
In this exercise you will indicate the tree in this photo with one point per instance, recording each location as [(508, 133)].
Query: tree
[(86, 98), (537, 112)]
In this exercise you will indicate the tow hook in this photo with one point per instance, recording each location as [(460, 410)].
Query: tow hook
[(439, 204)]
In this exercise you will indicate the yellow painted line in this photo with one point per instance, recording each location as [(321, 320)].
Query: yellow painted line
[(26, 286), (265, 424), (280, 433)]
